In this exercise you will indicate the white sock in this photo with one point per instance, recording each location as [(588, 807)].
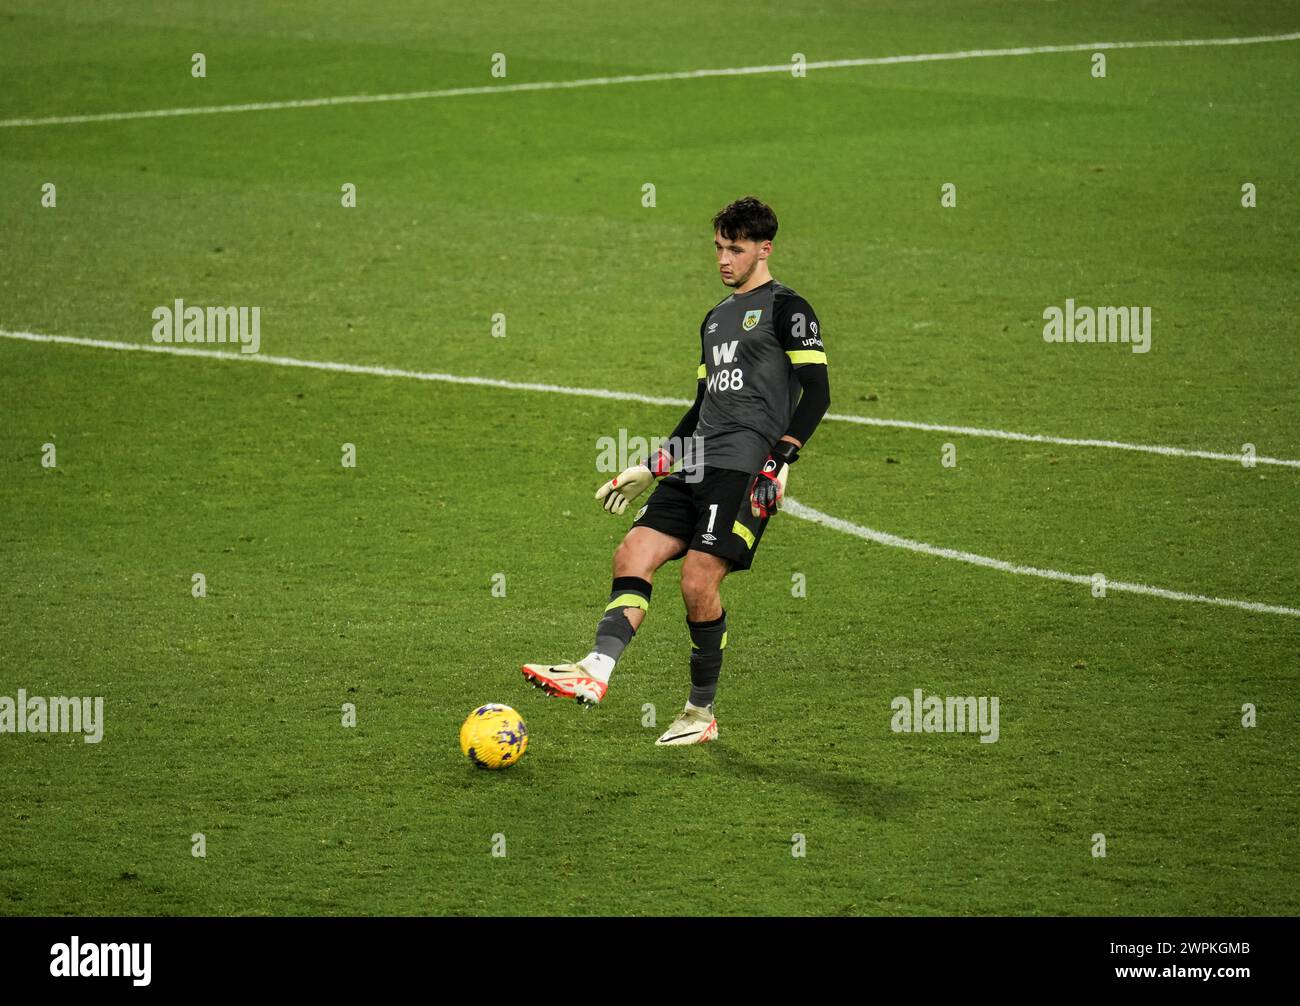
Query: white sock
[(599, 665), (698, 709)]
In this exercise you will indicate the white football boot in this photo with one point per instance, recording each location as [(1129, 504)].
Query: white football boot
[(692, 726), (567, 681)]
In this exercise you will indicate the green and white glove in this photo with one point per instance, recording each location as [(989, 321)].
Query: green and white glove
[(630, 483)]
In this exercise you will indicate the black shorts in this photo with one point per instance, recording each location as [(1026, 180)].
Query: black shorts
[(712, 515)]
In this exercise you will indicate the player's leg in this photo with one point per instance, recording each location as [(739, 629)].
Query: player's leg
[(726, 544), (642, 552), (659, 535), (706, 619), (637, 558)]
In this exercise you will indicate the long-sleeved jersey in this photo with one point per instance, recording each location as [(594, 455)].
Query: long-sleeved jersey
[(758, 352)]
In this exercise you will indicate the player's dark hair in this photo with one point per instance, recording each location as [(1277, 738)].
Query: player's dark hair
[(747, 219)]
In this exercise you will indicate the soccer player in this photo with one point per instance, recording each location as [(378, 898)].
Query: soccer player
[(761, 390)]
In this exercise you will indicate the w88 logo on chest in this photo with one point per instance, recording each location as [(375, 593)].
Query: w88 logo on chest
[(726, 380)]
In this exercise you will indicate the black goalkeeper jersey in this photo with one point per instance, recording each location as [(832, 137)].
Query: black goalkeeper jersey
[(750, 345)]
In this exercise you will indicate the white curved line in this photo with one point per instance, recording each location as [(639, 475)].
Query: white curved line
[(797, 509)]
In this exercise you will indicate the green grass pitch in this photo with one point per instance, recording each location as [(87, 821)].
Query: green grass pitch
[(1119, 715)]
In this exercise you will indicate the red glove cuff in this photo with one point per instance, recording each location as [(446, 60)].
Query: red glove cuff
[(660, 463)]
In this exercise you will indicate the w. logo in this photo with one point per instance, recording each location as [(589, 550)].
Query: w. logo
[(724, 353)]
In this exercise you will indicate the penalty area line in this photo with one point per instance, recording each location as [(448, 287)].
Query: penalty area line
[(624, 396), (792, 506)]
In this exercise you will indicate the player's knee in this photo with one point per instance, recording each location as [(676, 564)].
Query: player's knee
[(631, 561), (620, 558)]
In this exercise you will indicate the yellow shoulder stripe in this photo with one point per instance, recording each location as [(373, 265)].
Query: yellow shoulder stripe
[(798, 356), (701, 372)]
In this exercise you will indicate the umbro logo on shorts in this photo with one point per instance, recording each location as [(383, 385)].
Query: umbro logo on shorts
[(640, 513), (708, 538)]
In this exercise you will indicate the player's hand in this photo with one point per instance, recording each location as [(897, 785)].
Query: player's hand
[(630, 483), (769, 486)]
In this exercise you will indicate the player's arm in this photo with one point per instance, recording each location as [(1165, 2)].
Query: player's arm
[(675, 447), (800, 333), (813, 403), (619, 491)]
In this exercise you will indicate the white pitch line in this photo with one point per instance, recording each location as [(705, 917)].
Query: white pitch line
[(639, 78), (342, 368), (797, 509), (623, 396), (792, 506), (1043, 438)]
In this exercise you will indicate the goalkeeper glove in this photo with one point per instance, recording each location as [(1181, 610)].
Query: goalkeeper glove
[(769, 484), (630, 483)]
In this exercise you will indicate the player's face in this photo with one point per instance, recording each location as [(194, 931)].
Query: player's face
[(738, 258)]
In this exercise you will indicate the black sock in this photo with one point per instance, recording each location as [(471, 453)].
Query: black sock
[(708, 639), (614, 631)]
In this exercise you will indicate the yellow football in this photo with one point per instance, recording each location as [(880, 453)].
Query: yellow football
[(493, 736)]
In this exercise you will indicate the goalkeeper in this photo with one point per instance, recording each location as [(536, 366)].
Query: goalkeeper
[(761, 390)]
